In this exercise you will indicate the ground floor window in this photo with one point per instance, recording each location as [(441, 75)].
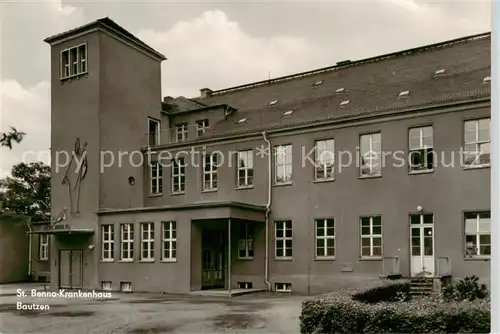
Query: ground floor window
[(169, 241), (371, 236), (245, 240), (283, 239), (147, 241), (325, 238), (108, 242), (478, 233), (127, 242), (43, 251)]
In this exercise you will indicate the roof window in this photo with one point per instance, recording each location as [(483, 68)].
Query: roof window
[(340, 90), (317, 83), (486, 79), (287, 113), (272, 103), (404, 93), (344, 103), (440, 72), (243, 120)]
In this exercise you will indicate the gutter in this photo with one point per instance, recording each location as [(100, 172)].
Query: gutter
[(268, 209)]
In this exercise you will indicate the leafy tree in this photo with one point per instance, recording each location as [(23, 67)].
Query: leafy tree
[(27, 191), (6, 138)]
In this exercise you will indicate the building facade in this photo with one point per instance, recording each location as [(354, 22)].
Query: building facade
[(366, 169)]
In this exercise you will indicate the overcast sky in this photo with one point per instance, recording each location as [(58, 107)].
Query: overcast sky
[(215, 44)]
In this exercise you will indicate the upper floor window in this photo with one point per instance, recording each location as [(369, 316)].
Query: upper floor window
[(156, 179), (178, 175), (201, 126), (370, 154), (245, 169), (421, 149), (108, 242), (74, 61), (43, 250), (478, 233), (283, 164), (154, 132), (324, 152), (477, 142), (210, 172), (182, 132)]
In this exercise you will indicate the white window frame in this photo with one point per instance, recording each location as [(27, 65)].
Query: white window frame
[(371, 171), (287, 226), (181, 132), (478, 233), (477, 143), (127, 238), (421, 148), (245, 172), (148, 243), (210, 175), (246, 243), (156, 134), (107, 238), (81, 62), (371, 236), (155, 179), (283, 287), (202, 126), (283, 162), (178, 175), (323, 223), (43, 247), (324, 159), (169, 244)]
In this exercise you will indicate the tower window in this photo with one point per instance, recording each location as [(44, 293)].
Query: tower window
[(73, 61)]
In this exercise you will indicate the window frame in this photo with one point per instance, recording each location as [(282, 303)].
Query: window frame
[(155, 135), (413, 169), (477, 143), (70, 62), (371, 237), (248, 240), (362, 163), (284, 238), (150, 240), (109, 254), (171, 241), (211, 174), (158, 179), (129, 240), (324, 164), (178, 175), (247, 169), (477, 234), (43, 247), (282, 165), (325, 237), (181, 129), (200, 130)]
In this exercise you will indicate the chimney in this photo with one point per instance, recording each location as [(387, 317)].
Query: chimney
[(205, 92), (167, 99)]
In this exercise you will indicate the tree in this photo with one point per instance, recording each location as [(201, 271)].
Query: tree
[(27, 191), (6, 138)]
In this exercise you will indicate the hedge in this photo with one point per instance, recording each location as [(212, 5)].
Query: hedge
[(358, 312)]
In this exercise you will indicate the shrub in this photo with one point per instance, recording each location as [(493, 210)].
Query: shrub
[(357, 312), (466, 289)]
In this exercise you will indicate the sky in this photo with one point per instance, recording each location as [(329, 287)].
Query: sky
[(213, 44)]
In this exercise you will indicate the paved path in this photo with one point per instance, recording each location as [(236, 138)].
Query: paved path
[(152, 314)]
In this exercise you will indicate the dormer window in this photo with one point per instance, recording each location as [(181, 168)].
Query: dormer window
[(181, 132), (243, 120), (74, 61), (440, 72), (340, 90), (344, 103), (201, 126), (404, 93), (287, 113), (317, 83), (272, 103)]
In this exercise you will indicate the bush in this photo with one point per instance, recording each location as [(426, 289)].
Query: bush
[(358, 312), (466, 289)]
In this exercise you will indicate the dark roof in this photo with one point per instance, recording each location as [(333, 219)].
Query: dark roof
[(371, 86), (111, 26)]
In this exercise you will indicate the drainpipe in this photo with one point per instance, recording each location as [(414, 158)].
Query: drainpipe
[(268, 207), (29, 251)]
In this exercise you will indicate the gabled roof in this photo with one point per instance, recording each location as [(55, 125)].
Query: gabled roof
[(110, 26), (437, 74)]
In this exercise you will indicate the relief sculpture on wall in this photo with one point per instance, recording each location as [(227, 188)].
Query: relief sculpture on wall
[(75, 173)]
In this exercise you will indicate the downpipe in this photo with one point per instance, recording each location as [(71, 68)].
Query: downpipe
[(268, 208), (29, 252)]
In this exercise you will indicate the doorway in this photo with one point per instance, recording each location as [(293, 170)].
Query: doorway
[(213, 259), (71, 268), (422, 245)]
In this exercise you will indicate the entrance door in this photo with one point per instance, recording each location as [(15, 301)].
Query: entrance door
[(71, 268), (213, 259), (422, 245)]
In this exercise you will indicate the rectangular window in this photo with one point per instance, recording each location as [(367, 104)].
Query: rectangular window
[(324, 158), (127, 242), (108, 242), (153, 132), (283, 287), (283, 164), (477, 143), (210, 172), (201, 126), (478, 234), (178, 175), (325, 238), (371, 236), (156, 179), (147, 241), (74, 61), (283, 239), (182, 132), (245, 169), (43, 250), (245, 240), (169, 241), (370, 154), (421, 149)]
